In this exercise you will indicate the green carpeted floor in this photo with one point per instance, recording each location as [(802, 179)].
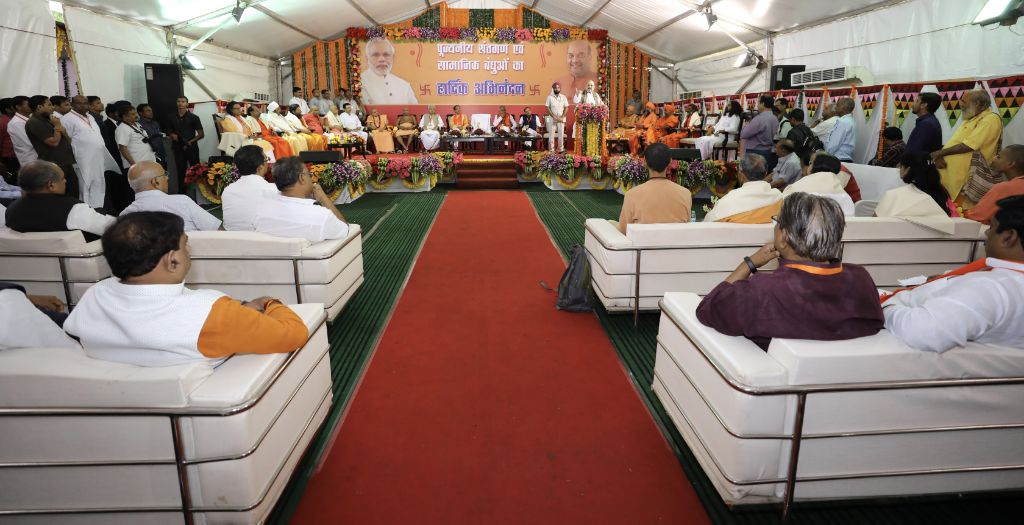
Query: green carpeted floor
[(394, 228), (563, 213)]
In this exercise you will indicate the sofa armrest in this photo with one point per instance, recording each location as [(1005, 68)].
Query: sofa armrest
[(311, 313), (608, 235), (328, 248), (741, 362)]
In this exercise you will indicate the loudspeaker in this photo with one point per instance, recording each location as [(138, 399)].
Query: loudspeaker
[(781, 79), (164, 84), (319, 157), (687, 154)]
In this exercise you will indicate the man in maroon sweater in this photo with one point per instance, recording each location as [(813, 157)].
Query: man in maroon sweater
[(812, 295)]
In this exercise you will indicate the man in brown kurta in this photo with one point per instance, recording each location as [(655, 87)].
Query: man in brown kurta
[(659, 200)]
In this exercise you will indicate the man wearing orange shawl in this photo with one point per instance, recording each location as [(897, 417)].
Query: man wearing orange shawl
[(666, 126), (648, 122), (281, 147), (626, 128)]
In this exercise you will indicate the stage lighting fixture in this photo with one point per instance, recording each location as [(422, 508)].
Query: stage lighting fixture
[(238, 10), (1002, 12), (709, 17), (747, 59), (190, 62)]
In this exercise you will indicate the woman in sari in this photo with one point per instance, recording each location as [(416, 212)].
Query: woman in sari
[(377, 124), (235, 132)]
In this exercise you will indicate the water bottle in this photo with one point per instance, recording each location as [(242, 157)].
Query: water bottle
[(693, 215)]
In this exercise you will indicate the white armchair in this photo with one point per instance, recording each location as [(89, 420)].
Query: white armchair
[(60, 264)]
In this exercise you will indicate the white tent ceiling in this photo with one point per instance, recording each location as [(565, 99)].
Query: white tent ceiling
[(672, 30)]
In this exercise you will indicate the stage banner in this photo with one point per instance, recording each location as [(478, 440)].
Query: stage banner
[(1007, 96), (400, 73), (790, 95), (951, 93), (750, 101), (903, 97), (835, 94)]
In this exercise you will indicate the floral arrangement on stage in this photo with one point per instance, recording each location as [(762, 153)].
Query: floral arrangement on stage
[(414, 172), (567, 169), (449, 160), (717, 176), (591, 113), (333, 177), (475, 34), (211, 179)]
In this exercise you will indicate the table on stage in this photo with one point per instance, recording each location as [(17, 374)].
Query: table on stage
[(489, 141)]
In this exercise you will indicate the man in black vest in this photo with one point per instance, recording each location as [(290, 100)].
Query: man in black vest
[(45, 208), (529, 125), (48, 137)]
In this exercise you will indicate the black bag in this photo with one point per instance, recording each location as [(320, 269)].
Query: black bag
[(804, 140), (574, 293)]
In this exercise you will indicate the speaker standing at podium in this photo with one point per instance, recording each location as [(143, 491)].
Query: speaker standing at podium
[(185, 131)]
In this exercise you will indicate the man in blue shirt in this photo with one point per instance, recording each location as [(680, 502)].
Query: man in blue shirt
[(927, 133), (758, 135), (843, 138)]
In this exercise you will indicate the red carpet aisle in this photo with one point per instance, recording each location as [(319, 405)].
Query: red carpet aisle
[(485, 405)]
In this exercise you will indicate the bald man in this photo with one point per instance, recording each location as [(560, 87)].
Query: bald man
[(580, 62), (149, 180), (91, 154)]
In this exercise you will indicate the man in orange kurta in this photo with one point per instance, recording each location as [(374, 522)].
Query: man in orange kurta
[(648, 123), (667, 126), (627, 128), (281, 147)]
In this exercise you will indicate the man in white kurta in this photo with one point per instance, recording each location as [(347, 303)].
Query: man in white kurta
[(755, 202), (297, 100), (557, 106), (351, 124), (242, 200), (380, 86), (23, 148), (431, 125), (981, 302), (91, 154), (273, 120), (909, 203)]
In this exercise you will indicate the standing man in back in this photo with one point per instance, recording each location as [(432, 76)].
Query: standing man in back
[(50, 140), (185, 131), (758, 135), (843, 138), (659, 200), (927, 133), (557, 106)]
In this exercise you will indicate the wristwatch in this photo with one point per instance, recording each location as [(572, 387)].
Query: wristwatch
[(750, 264)]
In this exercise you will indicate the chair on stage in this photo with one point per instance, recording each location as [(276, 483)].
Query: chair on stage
[(731, 143)]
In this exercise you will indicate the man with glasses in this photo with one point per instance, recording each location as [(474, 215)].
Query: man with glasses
[(149, 180)]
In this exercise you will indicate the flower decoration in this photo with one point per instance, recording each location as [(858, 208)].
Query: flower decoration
[(591, 113), (628, 169), (468, 34), (449, 33), (524, 35), (577, 33), (559, 165), (597, 34), (505, 34), (559, 35), (411, 33), (486, 33), (375, 32), (541, 33), (426, 167)]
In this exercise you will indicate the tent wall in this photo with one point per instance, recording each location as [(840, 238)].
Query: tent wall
[(28, 49), (914, 41)]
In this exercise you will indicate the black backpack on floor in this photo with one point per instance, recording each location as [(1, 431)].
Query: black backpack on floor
[(574, 293)]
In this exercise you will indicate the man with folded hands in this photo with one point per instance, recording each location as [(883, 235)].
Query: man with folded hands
[(980, 302), (812, 294), (145, 315), (302, 209)]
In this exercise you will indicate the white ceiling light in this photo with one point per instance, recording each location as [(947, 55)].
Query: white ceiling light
[(747, 59), (238, 10), (190, 62), (1002, 12)]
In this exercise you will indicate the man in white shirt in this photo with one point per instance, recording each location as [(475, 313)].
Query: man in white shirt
[(91, 154), (242, 200), (379, 85), (274, 120), (557, 106), (45, 208), (824, 181), (294, 213), (824, 128), (297, 100), (343, 98), (980, 302), (351, 124), (132, 140), (23, 148), (789, 169), (323, 101), (149, 180), (431, 125), (587, 96), (754, 202), (843, 138)]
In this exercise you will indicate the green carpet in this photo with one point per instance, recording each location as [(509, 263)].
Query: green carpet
[(394, 228), (563, 213)]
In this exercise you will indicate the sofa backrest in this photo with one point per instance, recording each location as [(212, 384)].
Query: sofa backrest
[(874, 181), (243, 244), (51, 243), (61, 264)]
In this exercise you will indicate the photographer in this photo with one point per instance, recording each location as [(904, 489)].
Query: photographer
[(185, 131), (132, 140)]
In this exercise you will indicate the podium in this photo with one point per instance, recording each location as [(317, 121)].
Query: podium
[(589, 126)]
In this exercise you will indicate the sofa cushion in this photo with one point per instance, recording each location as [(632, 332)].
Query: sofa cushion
[(699, 234), (61, 377), (244, 244), (891, 228), (324, 249), (70, 242)]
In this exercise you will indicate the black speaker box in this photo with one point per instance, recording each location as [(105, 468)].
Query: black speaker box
[(320, 157), (780, 78), (163, 87)]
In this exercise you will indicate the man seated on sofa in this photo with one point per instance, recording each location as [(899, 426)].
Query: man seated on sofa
[(824, 180), (979, 302), (754, 202), (149, 180), (294, 213), (812, 295), (31, 321), (243, 199), (145, 315), (659, 200), (45, 208)]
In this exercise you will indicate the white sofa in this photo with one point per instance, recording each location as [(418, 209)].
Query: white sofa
[(249, 264), (61, 264), (867, 428), (695, 257), (90, 441)]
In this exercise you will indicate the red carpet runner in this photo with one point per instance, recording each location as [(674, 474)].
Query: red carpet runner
[(485, 405)]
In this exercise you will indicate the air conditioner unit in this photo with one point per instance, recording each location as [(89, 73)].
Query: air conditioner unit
[(252, 96), (691, 94), (833, 75)]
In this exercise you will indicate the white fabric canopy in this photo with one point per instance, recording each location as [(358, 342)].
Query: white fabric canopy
[(28, 49)]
